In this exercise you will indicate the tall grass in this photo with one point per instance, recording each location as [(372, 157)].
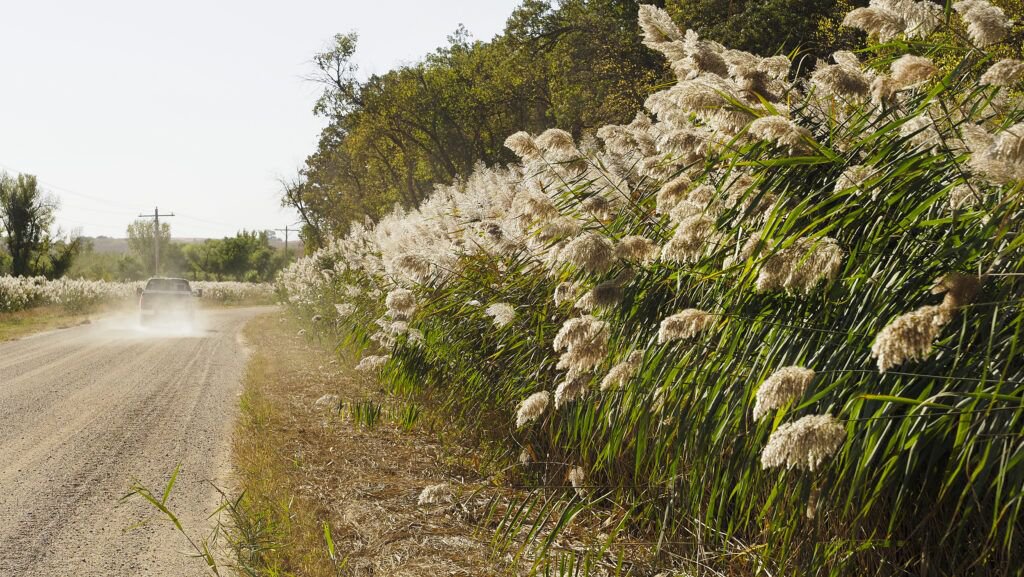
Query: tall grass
[(929, 474)]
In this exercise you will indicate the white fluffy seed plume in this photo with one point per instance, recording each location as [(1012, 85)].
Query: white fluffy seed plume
[(784, 386), (781, 131), (672, 193), (432, 494), (804, 444), (590, 252), (622, 372), (578, 480), (401, 303), (691, 239), (501, 313), (684, 325), (1006, 73), (522, 144), (986, 24), (372, 363), (909, 337), (910, 70), (800, 267), (572, 388), (854, 177), (583, 342), (637, 248), (532, 408)]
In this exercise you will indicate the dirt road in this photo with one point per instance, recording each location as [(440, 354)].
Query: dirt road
[(86, 411)]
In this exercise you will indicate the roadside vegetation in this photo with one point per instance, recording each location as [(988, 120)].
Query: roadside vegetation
[(78, 297), (768, 325), (331, 470), (14, 325)]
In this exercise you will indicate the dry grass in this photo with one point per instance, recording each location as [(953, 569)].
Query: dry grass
[(20, 324), (304, 463)]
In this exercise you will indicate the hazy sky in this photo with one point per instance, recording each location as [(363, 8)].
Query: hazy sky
[(195, 106)]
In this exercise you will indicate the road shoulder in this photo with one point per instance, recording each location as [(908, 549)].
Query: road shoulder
[(333, 470)]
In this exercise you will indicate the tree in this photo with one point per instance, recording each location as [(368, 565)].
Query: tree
[(26, 215), (577, 66), (770, 27), (142, 241)]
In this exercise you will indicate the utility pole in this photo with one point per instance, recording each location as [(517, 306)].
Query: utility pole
[(156, 236), (285, 231)]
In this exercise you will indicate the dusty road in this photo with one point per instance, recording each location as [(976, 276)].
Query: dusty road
[(86, 411)]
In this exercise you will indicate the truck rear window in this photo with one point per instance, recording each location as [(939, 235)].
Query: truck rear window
[(168, 284)]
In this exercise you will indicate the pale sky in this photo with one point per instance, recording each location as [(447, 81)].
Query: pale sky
[(193, 106)]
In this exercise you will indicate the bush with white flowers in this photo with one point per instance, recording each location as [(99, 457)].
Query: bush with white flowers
[(773, 292)]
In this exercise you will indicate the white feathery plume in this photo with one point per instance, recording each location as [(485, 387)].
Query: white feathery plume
[(431, 494), (532, 408), (372, 363), (590, 252), (909, 337), (690, 240), (845, 79), (910, 70), (622, 372), (784, 386), (566, 291), (1005, 73), (572, 388), (684, 325), (578, 480), (583, 342), (657, 25), (672, 193), (804, 444), (401, 303), (523, 145), (502, 313), (881, 24), (801, 266), (781, 131), (986, 24), (637, 248)]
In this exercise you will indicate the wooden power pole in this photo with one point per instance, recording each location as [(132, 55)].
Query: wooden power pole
[(285, 231), (156, 237)]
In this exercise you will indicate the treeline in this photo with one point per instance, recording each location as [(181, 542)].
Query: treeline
[(575, 65), (248, 257)]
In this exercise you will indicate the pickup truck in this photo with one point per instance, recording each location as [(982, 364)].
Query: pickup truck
[(167, 300)]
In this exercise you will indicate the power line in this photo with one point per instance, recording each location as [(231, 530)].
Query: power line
[(48, 184)]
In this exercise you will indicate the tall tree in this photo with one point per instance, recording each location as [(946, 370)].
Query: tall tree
[(576, 65), (142, 239), (26, 215)]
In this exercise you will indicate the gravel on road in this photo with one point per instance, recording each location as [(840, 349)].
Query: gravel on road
[(85, 412)]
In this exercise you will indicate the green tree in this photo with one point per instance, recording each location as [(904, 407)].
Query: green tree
[(393, 137), (26, 215), (142, 241), (770, 26)]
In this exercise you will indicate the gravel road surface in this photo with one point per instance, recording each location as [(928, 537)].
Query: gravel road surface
[(85, 412)]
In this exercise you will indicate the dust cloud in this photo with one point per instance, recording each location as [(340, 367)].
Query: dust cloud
[(129, 323)]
